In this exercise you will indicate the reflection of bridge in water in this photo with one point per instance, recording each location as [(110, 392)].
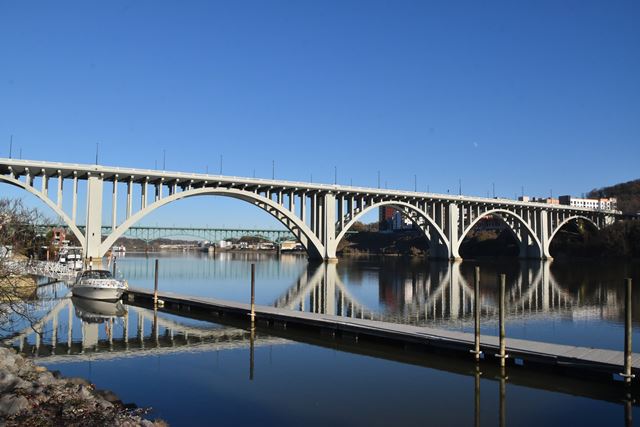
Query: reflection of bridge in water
[(441, 295), (54, 337), (173, 268)]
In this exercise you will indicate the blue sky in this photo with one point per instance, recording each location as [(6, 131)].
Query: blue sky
[(540, 94)]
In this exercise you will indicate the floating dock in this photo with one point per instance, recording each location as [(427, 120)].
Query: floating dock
[(584, 362)]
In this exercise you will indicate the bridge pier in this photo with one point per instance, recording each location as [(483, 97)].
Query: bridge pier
[(93, 230)]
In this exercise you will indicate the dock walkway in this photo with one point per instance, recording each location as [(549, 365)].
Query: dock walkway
[(586, 361)]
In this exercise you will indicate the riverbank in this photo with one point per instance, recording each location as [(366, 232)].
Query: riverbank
[(32, 395)]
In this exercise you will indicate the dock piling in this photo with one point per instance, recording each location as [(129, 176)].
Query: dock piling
[(476, 312), (627, 375), (253, 293), (114, 268), (155, 284), (501, 309)]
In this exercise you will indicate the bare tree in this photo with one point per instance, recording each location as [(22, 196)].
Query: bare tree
[(20, 238)]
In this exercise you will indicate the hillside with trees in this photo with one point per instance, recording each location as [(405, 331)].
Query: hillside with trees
[(627, 193)]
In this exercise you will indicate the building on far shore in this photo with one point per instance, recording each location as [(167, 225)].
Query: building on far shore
[(385, 218), (606, 204)]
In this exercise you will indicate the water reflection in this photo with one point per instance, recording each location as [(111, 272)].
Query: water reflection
[(74, 329), (442, 293), (567, 303)]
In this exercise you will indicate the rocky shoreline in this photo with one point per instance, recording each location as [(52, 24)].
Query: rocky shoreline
[(32, 395)]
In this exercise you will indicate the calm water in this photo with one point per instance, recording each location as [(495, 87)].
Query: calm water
[(198, 373)]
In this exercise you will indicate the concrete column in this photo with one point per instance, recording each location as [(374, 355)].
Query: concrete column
[(158, 191), (303, 207), (60, 180), (341, 212), (543, 234), (74, 208), (129, 196), (329, 227), (45, 184), (143, 203), (292, 202), (27, 178), (453, 217), (93, 232), (114, 204), (160, 187), (313, 212), (320, 217)]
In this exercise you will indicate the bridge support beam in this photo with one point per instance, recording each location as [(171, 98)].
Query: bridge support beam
[(328, 219), (93, 232), (543, 234), (452, 230)]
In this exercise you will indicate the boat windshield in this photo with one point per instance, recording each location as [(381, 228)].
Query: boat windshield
[(97, 274)]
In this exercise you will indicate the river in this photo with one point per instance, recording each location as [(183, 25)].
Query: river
[(192, 372)]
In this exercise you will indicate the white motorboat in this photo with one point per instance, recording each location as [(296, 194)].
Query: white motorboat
[(98, 284)]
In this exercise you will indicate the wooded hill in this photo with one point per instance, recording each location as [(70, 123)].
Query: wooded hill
[(627, 193)]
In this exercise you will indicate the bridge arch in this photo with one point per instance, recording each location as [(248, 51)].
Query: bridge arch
[(503, 212), (565, 222), (312, 244), (399, 207), (74, 229)]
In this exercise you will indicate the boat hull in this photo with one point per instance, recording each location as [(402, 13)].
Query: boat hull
[(97, 292)]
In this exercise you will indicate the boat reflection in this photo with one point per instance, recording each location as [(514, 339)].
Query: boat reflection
[(95, 311)]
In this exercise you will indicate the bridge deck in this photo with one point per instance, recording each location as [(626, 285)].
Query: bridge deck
[(590, 362)]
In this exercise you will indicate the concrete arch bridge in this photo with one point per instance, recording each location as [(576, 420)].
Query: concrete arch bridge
[(318, 215)]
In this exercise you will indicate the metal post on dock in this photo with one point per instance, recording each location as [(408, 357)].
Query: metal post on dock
[(627, 375), (155, 285), (114, 268), (501, 309), (476, 312), (253, 294)]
